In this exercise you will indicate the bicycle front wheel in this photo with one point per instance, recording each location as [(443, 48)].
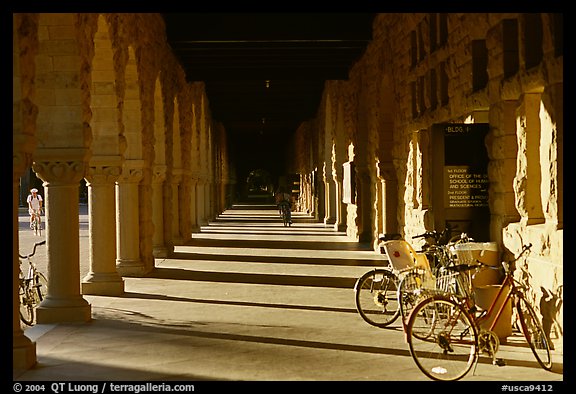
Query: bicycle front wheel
[(442, 338), (26, 306), (37, 225), (376, 297), (409, 294), (534, 333)]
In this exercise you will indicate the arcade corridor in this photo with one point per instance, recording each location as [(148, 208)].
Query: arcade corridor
[(246, 300), (381, 124)]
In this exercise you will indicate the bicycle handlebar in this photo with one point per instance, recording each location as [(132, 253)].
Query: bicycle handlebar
[(427, 234), (33, 250), (479, 264)]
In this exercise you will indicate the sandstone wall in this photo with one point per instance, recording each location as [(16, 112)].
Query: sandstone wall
[(468, 71)]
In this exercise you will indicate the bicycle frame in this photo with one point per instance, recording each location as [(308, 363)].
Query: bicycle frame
[(507, 290)]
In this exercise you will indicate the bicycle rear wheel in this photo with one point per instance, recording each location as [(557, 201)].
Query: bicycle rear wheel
[(285, 210), (534, 333), (409, 294), (41, 286), (442, 338), (376, 297)]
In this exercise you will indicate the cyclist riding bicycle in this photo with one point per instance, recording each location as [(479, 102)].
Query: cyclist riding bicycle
[(283, 198), (34, 205)]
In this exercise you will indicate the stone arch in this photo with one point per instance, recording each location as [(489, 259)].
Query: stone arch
[(64, 137), (184, 190), (104, 168), (25, 47), (330, 195), (388, 187), (131, 109), (176, 171), (158, 173), (128, 261), (104, 101)]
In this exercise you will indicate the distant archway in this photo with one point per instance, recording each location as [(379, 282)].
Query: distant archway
[(259, 181)]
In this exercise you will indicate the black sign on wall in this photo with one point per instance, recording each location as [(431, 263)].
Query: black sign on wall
[(465, 188), (460, 172)]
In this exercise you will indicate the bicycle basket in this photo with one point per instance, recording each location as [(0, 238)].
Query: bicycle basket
[(456, 283)]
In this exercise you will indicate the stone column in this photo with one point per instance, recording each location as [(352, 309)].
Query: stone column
[(176, 179), (329, 199), (337, 175), (208, 195), (387, 176), (159, 248), (364, 204), (23, 349), (128, 262), (103, 279), (61, 169), (193, 205), (200, 203)]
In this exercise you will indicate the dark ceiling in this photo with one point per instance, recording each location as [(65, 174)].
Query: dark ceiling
[(264, 72)]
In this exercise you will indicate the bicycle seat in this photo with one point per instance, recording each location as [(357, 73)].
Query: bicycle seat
[(402, 256)]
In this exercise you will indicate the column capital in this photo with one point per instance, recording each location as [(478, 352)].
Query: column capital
[(132, 171), (176, 175), (60, 165), (104, 169), (385, 170), (23, 146), (159, 173)]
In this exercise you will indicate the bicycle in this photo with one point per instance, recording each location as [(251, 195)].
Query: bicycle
[(36, 223), (446, 334), (380, 292), (32, 289), (285, 213)]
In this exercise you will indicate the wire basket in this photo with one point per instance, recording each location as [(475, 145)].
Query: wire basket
[(456, 283)]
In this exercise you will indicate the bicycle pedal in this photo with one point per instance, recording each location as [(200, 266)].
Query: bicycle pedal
[(499, 362)]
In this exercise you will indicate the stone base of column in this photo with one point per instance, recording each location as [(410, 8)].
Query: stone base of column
[(195, 229), (23, 353), (63, 314), (103, 284), (340, 227), (160, 252), (178, 240), (131, 268), (329, 221)]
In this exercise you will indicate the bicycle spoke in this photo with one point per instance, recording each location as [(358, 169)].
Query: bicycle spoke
[(442, 339), (376, 298), (534, 333)]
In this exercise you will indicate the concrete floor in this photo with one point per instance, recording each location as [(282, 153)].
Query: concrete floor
[(247, 300)]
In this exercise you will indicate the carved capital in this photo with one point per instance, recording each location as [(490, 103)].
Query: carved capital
[(159, 174), (176, 175), (104, 169), (60, 172), (132, 171), (386, 171), (22, 147), (103, 174), (60, 165)]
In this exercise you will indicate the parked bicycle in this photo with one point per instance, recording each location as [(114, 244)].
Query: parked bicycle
[(447, 332), (33, 288), (381, 292)]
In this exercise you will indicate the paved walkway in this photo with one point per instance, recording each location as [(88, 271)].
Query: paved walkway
[(247, 300)]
